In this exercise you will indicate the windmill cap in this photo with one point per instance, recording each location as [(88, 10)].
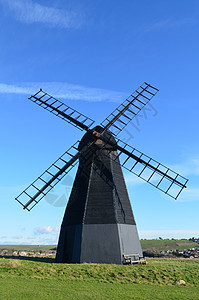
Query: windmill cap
[(89, 136)]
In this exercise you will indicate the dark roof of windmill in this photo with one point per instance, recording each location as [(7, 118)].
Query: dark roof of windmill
[(90, 137)]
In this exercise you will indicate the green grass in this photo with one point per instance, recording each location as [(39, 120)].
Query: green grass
[(46, 289), (27, 279), (168, 244)]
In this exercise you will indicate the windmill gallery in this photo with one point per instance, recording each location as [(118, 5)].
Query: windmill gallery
[(98, 225)]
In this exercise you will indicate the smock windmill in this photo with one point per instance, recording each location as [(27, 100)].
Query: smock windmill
[(98, 225)]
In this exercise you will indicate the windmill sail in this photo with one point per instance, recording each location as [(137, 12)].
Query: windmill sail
[(45, 182), (62, 110), (126, 111), (153, 172)]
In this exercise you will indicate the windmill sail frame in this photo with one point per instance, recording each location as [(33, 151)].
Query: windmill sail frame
[(134, 160), (61, 110)]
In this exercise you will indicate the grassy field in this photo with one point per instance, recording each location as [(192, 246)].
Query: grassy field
[(40, 278), (28, 279), (167, 244)]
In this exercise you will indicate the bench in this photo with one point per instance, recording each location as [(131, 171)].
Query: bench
[(132, 259)]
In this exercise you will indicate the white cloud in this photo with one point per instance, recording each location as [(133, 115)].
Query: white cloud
[(64, 91), (133, 180), (46, 230), (28, 11), (18, 237), (168, 24), (189, 194), (189, 167)]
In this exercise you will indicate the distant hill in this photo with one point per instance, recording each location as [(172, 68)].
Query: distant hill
[(29, 247), (162, 245)]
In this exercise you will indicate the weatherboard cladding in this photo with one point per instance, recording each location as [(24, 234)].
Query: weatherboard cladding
[(123, 205), (99, 194), (98, 225)]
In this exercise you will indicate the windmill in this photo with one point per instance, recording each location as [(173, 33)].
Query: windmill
[(98, 225)]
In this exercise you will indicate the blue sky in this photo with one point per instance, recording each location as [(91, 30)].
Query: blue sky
[(92, 55)]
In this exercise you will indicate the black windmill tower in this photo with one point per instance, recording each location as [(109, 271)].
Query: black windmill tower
[(98, 225)]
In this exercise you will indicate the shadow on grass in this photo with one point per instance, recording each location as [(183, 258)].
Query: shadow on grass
[(29, 258)]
